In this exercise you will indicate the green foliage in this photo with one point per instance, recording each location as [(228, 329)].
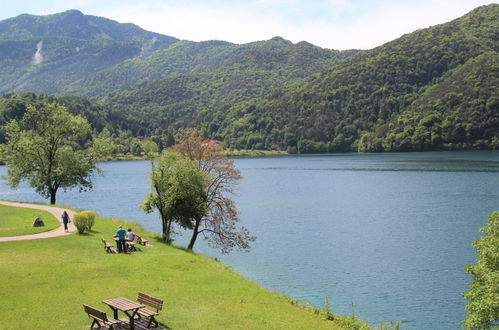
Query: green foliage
[(483, 295), (434, 89), (429, 90), (80, 222), (84, 221), (178, 193), (49, 148), (89, 219)]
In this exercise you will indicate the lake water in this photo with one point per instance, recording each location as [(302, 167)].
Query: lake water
[(388, 233)]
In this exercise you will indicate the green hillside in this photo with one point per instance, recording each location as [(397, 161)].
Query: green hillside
[(198, 292), (43, 54), (433, 89), (268, 97), (201, 98), (186, 57), (332, 111)]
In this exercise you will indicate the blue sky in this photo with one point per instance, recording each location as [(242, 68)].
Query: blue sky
[(336, 24)]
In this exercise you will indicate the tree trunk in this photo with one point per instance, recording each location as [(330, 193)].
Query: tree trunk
[(195, 233), (52, 196)]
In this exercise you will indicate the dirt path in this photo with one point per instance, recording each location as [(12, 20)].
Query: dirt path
[(56, 211)]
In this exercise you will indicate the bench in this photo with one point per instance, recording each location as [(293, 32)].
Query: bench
[(100, 316), (140, 240), (130, 246), (150, 301), (107, 247)]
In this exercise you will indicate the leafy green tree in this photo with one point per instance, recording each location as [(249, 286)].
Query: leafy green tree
[(483, 295), (178, 193), (150, 147), (52, 149)]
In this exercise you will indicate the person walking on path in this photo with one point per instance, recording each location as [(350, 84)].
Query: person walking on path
[(65, 220), (121, 234)]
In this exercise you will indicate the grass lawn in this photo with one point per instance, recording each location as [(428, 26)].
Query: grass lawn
[(16, 221), (43, 284)]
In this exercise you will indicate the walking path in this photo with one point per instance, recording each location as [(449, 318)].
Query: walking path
[(56, 211)]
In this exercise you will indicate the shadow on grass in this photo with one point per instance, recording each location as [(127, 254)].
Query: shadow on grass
[(139, 323), (160, 240)]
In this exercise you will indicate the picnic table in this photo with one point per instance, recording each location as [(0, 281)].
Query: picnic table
[(125, 305)]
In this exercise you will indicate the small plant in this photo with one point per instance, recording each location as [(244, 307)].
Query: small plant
[(389, 326), (90, 219), (84, 220), (326, 311), (80, 222)]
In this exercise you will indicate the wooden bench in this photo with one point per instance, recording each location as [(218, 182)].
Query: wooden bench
[(100, 316), (107, 247), (130, 246), (150, 301), (140, 240)]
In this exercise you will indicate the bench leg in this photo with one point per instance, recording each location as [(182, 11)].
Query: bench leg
[(151, 319), (94, 322)]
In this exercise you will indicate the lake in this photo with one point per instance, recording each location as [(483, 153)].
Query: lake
[(387, 234)]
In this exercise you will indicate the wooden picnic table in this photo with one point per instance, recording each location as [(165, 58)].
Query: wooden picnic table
[(125, 305)]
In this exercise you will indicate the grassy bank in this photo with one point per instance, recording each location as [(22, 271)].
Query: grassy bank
[(45, 282), (16, 221)]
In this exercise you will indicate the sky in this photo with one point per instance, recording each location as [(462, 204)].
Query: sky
[(334, 24)]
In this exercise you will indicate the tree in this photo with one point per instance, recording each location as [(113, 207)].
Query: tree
[(483, 295), (219, 225), (52, 149), (150, 147), (178, 193)]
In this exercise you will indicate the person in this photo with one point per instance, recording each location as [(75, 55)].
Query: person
[(65, 221), (130, 235), (120, 234)]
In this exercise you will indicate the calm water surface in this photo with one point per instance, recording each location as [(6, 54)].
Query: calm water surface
[(389, 234)]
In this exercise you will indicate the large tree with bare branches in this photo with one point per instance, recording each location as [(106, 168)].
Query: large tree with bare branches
[(219, 226)]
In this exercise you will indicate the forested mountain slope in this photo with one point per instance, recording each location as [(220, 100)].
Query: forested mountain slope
[(197, 98), (45, 53), (193, 57), (433, 89), (362, 95)]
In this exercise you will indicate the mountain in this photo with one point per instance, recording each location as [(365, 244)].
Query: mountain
[(46, 53), (238, 73), (194, 57), (361, 103), (433, 89)]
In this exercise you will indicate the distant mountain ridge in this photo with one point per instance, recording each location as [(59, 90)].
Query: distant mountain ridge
[(433, 89), (46, 53), (74, 24)]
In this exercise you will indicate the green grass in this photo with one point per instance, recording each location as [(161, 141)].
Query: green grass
[(45, 282), (16, 221)]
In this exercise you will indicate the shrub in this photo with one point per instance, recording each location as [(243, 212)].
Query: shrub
[(80, 222), (90, 219), (84, 220)]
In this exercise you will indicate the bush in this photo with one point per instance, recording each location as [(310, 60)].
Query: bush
[(84, 220), (80, 222), (90, 219)]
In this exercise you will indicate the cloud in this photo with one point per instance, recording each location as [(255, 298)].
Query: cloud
[(337, 24)]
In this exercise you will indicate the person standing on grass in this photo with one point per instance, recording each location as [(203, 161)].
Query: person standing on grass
[(121, 234), (65, 221)]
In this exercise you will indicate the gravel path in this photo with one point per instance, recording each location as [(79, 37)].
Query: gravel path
[(56, 211)]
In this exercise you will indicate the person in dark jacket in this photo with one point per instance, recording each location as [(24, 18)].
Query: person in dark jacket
[(65, 220)]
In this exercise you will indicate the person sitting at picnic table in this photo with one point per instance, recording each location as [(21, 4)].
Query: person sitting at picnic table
[(121, 242), (130, 235)]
